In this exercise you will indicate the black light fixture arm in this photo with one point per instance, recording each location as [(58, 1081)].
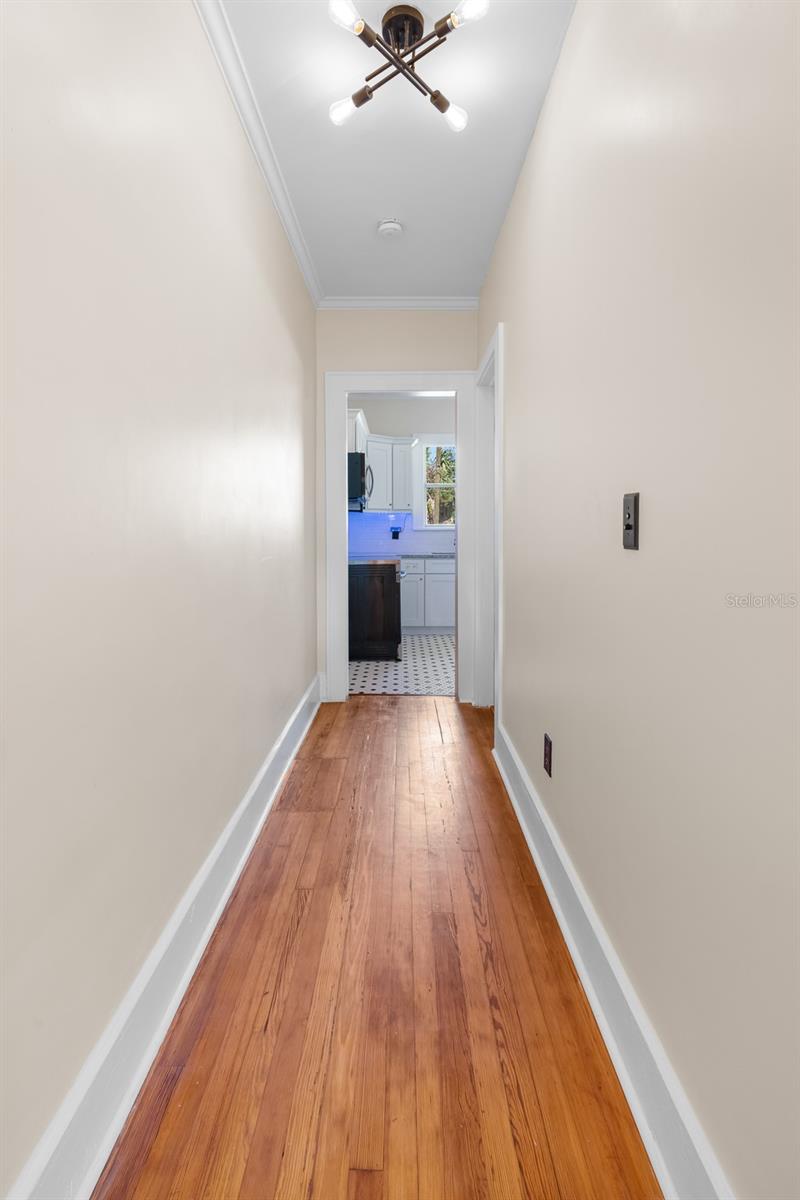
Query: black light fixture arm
[(402, 45), (413, 52), (367, 35), (393, 74), (362, 96), (400, 67)]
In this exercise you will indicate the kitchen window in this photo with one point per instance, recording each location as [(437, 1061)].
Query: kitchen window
[(439, 464)]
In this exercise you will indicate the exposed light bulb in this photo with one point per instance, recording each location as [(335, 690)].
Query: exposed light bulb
[(468, 10), (345, 13), (341, 110), (456, 118)]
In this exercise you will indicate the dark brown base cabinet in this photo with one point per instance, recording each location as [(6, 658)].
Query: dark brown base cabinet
[(374, 599)]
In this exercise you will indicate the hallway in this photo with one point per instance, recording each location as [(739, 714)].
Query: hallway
[(387, 1008)]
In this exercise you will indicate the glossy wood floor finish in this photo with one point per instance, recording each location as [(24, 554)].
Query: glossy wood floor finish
[(387, 1009)]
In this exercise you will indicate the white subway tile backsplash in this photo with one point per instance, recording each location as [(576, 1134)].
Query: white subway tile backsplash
[(368, 533)]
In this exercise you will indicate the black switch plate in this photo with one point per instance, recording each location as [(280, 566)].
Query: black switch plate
[(630, 521), (548, 754)]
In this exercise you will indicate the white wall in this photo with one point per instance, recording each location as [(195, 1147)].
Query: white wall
[(159, 443), (363, 339), (647, 275)]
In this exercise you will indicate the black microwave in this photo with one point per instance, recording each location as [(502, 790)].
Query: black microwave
[(356, 481)]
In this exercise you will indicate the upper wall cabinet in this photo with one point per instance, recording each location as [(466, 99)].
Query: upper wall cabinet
[(389, 474), (402, 478), (357, 431), (379, 472)]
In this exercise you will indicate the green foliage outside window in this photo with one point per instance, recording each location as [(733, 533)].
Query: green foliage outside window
[(440, 481)]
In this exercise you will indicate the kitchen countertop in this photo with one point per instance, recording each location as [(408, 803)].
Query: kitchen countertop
[(393, 558), (373, 561)]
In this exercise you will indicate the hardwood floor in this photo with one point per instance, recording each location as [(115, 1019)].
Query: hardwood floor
[(387, 1009)]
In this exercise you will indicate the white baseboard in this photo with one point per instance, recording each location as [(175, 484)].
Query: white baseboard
[(679, 1150), (71, 1154)]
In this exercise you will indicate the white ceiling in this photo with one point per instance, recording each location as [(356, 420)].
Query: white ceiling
[(406, 414), (397, 157)]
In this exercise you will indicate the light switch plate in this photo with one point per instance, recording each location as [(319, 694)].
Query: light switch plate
[(630, 521)]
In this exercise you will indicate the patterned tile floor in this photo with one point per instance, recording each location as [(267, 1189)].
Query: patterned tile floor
[(427, 668)]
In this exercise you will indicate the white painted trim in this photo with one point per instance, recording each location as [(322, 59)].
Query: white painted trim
[(499, 502), (489, 525), (332, 582), (70, 1156), (454, 303), (223, 43), (679, 1150), (334, 532)]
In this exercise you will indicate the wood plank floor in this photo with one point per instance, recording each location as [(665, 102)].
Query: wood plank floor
[(387, 1010)]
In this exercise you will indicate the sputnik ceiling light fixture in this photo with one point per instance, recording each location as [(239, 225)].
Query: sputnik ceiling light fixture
[(402, 45)]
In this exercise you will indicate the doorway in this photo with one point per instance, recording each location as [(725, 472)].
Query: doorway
[(447, 622), (402, 541)]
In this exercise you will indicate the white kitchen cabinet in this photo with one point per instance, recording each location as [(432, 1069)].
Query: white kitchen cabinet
[(379, 472), (412, 600), (440, 599), (357, 431), (402, 476), (389, 473)]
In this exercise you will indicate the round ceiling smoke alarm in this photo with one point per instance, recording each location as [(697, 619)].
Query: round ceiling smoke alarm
[(390, 228)]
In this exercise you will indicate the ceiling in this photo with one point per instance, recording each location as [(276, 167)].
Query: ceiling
[(396, 157)]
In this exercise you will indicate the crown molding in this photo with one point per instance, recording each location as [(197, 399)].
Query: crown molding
[(218, 31), (453, 303)]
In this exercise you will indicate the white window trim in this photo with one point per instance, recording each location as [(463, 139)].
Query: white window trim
[(419, 488)]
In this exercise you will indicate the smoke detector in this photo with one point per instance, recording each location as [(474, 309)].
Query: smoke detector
[(390, 227)]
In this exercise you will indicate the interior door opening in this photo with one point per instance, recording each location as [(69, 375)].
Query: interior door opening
[(402, 543)]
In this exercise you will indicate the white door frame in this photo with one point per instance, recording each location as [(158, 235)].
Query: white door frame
[(332, 590), (489, 514)]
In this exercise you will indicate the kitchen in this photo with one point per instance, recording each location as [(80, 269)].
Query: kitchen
[(401, 543)]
